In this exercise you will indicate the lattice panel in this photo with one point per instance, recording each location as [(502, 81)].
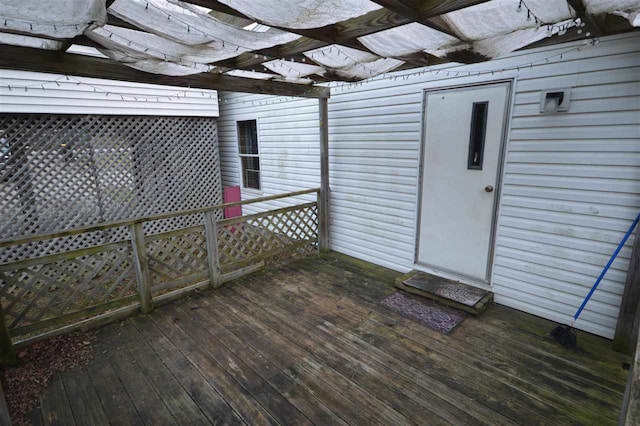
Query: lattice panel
[(60, 171), (177, 258), (267, 235), (56, 287)]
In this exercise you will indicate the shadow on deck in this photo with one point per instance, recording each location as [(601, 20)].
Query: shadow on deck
[(308, 342)]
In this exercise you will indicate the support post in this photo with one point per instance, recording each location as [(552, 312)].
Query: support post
[(626, 335), (630, 410), (142, 267), (7, 352), (323, 196), (211, 235)]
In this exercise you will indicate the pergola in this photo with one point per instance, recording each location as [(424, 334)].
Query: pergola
[(286, 47), (289, 47)]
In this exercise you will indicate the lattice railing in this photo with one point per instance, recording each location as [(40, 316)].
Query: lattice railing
[(248, 239), (87, 286), (59, 172)]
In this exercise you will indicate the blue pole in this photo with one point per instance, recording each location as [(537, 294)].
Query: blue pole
[(606, 268)]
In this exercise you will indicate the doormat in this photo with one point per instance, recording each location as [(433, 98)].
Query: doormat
[(430, 314)]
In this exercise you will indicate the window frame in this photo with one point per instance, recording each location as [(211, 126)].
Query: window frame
[(241, 173)]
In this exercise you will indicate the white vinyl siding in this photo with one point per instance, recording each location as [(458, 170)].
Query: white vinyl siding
[(570, 189), (71, 98)]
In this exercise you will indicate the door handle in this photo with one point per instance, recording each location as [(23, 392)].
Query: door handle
[(488, 188)]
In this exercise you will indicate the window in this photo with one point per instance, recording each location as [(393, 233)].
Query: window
[(478, 131), (248, 151)]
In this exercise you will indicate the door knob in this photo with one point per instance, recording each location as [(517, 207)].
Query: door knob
[(488, 188)]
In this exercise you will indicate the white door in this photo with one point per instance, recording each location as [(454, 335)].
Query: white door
[(463, 134)]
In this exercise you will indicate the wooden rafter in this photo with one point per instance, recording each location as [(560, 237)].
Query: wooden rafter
[(39, 60)]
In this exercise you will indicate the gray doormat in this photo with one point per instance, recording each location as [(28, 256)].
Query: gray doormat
[(436, 317)]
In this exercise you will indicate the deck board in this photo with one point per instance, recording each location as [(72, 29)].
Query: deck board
[(309, 343)]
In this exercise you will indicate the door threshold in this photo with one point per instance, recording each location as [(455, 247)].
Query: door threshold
[(453, 276)]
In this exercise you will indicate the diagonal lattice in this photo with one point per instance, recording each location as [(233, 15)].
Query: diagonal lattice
[(51, 288), (244, 240), (63, 171), (177, 258)]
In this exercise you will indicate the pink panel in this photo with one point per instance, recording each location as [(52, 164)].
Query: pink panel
[(231, 194)]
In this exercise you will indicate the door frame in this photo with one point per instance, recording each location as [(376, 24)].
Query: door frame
[(509, 99)]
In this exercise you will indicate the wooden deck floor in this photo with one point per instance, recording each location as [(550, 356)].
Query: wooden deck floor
[(309, 343)]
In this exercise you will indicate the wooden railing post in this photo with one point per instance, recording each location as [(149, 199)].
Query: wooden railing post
[(142, 267), (629, 315), (211, 235), (323, 196), (7, 353)]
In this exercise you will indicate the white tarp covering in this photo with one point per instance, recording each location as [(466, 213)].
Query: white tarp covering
[(369, 69), (26, 41), (335, 56), (301, 14), (293, 69), (184, 23), (406, 39), (178, 38), (59, 18), (629, 9), (499, 17)]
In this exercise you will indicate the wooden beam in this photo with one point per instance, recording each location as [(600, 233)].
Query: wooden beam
[(409, 9), (323, 195), (29, 59), (628, 316), (141, 261)]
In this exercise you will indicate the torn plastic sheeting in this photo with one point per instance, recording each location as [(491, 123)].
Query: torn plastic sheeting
[(302, 14), (369, 69), (250, 74), (55, 18), (153, 65), (27, 41), (141, 45), (293, 69), (596, 7), (186, 24), (335, 56), (501, 45), (498, 17), (406, 39)]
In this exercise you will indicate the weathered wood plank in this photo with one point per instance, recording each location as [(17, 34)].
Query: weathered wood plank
[(141, 392), (297, 394), (325, 189), (218, 376), (113, 395), (40, 60), (182, 408), (213, 259), (83, 399), (205, 394), (384, 384), (409, 352), (141, 262), (54, 404), (279, 407), (630, 411), (353, 403)]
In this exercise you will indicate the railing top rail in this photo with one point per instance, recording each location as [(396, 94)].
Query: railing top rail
[(127, 222)]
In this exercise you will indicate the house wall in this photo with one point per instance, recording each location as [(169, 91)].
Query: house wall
[(570, 188), (71, 98)]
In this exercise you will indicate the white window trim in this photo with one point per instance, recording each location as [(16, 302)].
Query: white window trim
[(243, 189)]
